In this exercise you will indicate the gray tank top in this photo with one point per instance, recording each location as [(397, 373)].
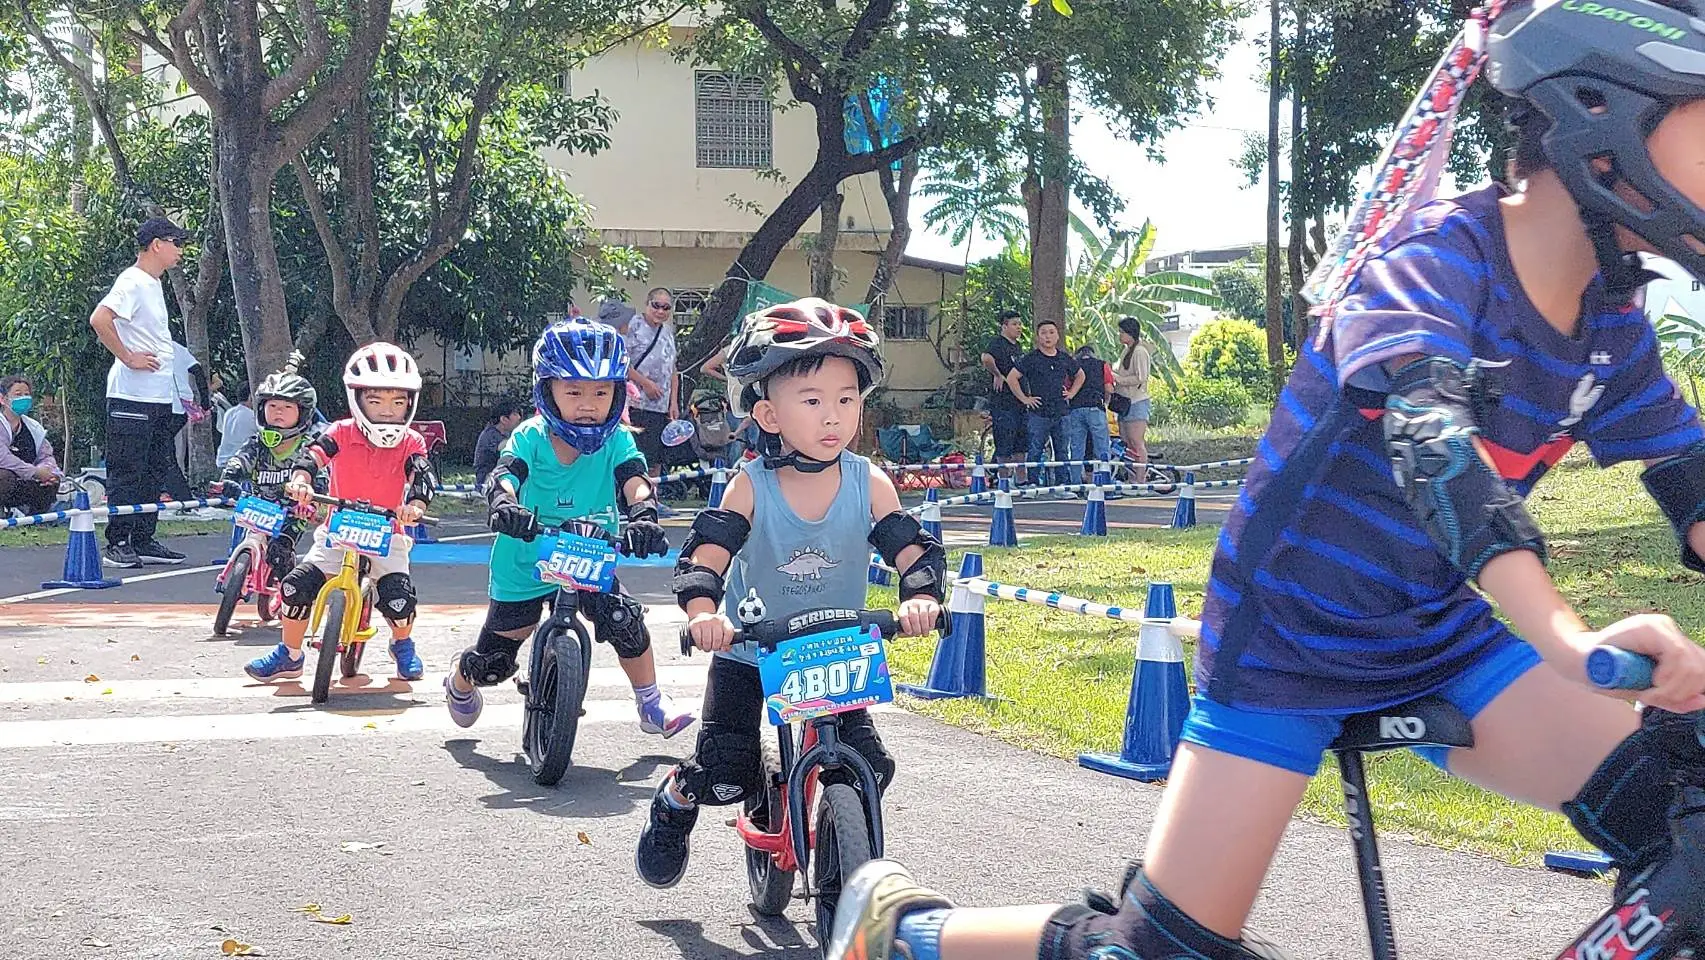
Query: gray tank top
[(795, 564)]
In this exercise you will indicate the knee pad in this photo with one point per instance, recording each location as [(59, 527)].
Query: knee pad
[(396, 597), (1624, 808), (491, 660), (726, 767), (1145, 924), (618, 621), (298, 589), (281, 552)]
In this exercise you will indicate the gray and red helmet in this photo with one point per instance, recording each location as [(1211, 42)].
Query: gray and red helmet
[(776, 336), (1605, 75)]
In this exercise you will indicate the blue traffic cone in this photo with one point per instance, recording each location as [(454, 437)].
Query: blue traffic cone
[(930, 516), (1160, 698), (957, 668), (1095, 505), (718, 484), (979, 480), (879, 575), (1185, 516), (1003, 532), (82, 553), (1574, 861)]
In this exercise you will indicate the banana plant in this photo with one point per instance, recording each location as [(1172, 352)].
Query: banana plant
[(1109, 284), (1683, 341)]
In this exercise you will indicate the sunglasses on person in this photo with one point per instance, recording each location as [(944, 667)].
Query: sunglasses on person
[(658, 305)]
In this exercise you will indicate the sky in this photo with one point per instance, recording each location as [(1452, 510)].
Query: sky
[(1197, 197)]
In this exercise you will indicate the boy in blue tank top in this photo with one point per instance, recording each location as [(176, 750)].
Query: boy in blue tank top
[(570, 461), (796, 527), (1463, 346)]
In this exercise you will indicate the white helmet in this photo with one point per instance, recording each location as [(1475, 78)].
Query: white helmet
[(383, 366)]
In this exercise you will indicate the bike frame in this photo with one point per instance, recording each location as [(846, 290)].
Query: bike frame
[(352, 582), (819, 747), (259, 580)]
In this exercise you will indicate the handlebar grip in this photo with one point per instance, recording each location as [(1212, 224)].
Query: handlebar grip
[(1612, 668), (687, 645)]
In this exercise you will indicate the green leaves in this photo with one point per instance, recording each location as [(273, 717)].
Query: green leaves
[(1109, 285)]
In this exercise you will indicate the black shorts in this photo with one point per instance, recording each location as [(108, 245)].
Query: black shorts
[(1011, 438), (648, 436), (507, 616)]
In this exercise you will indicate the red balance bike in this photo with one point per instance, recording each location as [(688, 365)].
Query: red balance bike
[(815, 665)]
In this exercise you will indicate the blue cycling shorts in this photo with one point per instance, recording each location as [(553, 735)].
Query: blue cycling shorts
[(1297, 741)]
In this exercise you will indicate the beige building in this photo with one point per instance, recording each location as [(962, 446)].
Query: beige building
[(698, 156)]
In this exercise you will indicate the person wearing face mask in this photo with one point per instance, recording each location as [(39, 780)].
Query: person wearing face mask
[(29, 476)]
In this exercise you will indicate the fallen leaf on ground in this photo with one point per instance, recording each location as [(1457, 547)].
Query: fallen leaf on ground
[(70, 698), (342, 921), (95, 942), (418, 783), (583, 838), (91, 678), (107, 692), (237, 948), (55, 915), (369, 726), (41, 661), (356, 846), (135, 657), (306, 908)]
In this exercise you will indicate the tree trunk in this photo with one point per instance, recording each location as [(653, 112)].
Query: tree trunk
[(1300, 197), (823, 247), (245, 205), (1048, 255), (897, 191), (1275, 318)]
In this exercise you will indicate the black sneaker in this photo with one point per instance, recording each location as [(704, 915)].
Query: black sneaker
[(661, 858), (153, 551), (120, 555)]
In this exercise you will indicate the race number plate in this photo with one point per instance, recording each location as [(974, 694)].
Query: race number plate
[(824, 673), (577, 563), (261, 516), (365, 533)]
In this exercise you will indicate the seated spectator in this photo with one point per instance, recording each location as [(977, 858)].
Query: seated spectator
[(505, 416), (29, 476)]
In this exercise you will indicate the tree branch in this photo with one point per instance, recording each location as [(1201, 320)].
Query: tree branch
[(755, 13), (336, 258), (330, 97), (618, 41), (85, 85), (858, 163), (314, 50), (177, 30), (875, 16)]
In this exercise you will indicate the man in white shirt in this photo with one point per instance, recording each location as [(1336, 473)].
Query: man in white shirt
[(131, 323)]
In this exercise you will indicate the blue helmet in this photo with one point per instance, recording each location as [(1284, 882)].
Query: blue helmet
[(580, 349)]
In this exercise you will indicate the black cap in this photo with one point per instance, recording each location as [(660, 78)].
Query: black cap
[(159, 228)]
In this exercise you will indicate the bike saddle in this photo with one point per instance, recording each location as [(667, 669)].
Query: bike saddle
[(1424, 722)]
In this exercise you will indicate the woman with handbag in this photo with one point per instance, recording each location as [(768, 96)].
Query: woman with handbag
[(1130, 400)]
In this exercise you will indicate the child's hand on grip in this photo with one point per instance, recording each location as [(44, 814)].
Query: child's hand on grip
[(711, 632), (299, 491), (1679, 680), (411, 512), (918, 616)]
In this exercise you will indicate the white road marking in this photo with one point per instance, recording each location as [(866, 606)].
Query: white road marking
[(144, 578)]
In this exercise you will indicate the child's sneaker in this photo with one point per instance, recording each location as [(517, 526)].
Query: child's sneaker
[(277, 665), (661, 858), (661, 716), (409, 666), (464, 708)]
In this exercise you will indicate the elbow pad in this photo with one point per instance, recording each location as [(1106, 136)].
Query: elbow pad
[(1467, 510), (722, 528), (508, 465), (927, 576), (1678, 485), (423, 481)]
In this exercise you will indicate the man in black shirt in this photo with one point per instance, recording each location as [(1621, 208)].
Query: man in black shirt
[(1086, 421), (1044, 381), (1006, 414)]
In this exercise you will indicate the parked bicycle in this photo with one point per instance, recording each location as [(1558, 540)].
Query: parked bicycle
[(815, 665)]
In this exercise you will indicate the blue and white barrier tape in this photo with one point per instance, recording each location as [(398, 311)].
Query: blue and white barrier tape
[(59, 516), (1184, 628), (1028, 493)]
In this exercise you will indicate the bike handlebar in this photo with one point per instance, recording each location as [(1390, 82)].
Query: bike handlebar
[(363, 506), (1613, 668), (768, 634)]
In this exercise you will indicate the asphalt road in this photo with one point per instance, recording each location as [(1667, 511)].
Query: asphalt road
[(154, 802)]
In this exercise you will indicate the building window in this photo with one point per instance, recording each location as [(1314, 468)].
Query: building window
[(690, 304), (905, 323), (733, 128)]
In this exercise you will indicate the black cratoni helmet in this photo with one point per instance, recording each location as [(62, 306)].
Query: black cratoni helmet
[(1605, 75), (290, 386)]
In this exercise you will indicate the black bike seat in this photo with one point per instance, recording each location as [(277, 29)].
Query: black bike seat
[(1425, 722)]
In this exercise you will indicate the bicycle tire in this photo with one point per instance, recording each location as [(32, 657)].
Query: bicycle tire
[(842, 846), (349, 662), (1165, 481), (331, 638), (772, 887), (558, 694), (266, 605), (231, 591)]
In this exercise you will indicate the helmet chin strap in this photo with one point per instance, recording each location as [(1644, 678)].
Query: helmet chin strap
[(769, 445), (1623, 274)]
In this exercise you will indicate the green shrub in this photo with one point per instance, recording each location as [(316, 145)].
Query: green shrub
[(1210, 403), (1231, 349)]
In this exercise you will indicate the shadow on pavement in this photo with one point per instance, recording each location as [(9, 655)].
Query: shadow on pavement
[(776, 937), (591, 792)]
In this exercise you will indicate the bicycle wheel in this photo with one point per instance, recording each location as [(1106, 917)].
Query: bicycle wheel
[(772, 887), (331, 633), (267, 606), (842, 846), (231, 591), (1165, 481), (350, 662), (556, 696)]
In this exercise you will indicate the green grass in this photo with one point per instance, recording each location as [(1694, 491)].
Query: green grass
[(47, 535), (1063, 680)]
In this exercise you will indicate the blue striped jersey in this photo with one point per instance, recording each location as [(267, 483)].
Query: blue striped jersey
[(1326, 596)]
